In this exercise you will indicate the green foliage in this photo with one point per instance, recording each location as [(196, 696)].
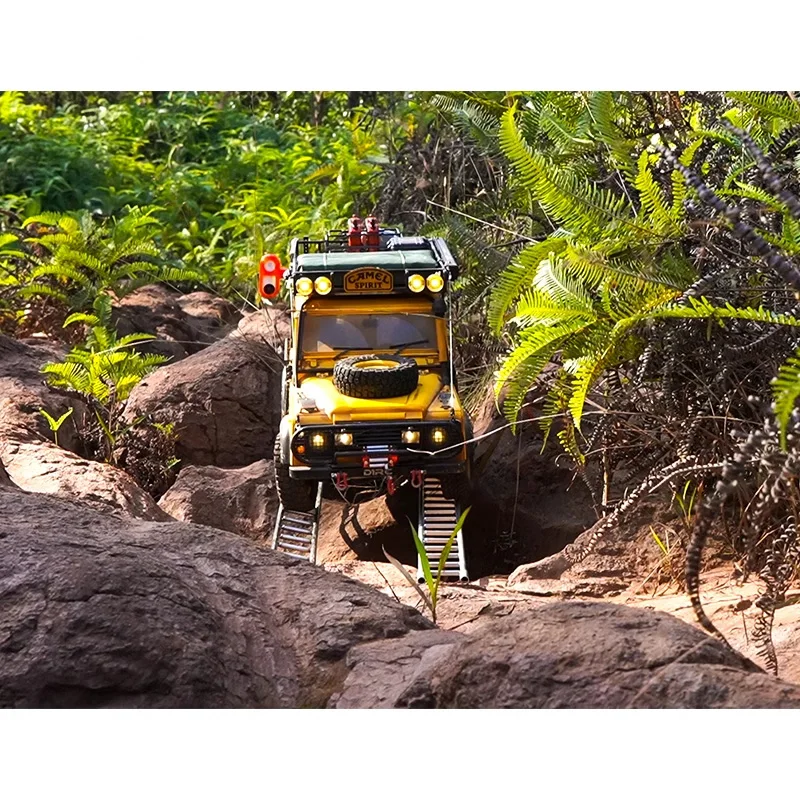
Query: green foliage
[(432, 582), (223, 177), (786, 390), (55, 424), (103, 373)]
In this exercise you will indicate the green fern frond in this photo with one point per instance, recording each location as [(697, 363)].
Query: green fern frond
[(518, 277), (577, 204), (769, 104), (42, 290), (552, 280), (60, 270), (601, 108), (786, 390), (654, 204), (535, 307), (86, 319)]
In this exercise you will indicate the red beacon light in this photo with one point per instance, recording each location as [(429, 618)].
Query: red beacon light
[(354, 232), (371, 237), (270, 273)]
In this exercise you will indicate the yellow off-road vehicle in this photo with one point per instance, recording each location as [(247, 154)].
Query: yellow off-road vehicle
[(369, 395)]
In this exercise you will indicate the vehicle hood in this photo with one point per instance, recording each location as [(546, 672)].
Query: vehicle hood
[(341, 408)]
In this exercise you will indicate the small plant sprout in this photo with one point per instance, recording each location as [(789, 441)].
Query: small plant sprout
[(55, 424), (432, 598)]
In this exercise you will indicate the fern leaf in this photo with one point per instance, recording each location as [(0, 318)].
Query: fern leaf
[(786, 389), (519, 277)]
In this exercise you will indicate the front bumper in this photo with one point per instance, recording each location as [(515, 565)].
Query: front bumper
[(379, 449)]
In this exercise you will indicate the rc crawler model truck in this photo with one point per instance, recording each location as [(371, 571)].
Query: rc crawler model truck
[(369, 399)]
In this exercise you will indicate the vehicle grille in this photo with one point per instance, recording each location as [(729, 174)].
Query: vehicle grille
[(377, 437)]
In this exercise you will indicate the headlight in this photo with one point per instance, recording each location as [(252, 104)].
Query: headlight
[(435, 282), (319, 441), (411, 437), (323, 285), (344, 438), (304, 286), (438, 436), (416, 283)]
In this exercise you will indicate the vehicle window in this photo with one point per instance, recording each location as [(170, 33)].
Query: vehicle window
[(368, 332)]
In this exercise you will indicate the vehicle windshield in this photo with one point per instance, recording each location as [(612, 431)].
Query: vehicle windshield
[(369, 332)]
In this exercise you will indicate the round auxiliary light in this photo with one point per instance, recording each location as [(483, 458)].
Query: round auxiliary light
[(438, 435), (410, 437), (344, 438), (323, 285), (318, 441), (435, 282), (304, 286), (416, 283)]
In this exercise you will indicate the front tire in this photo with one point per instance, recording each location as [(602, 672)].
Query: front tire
[(294, 495)]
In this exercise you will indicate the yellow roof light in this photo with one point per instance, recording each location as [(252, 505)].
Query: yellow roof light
[(323, 285), (416, 283), (304, 286), (435, 282)]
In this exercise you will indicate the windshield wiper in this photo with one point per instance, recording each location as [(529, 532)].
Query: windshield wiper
[(401, 347)]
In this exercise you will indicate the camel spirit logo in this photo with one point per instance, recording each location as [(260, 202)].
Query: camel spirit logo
[(368, 279)]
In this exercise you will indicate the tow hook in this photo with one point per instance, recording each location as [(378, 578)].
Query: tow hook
[(390, 487), (416, 478), (341, 480)]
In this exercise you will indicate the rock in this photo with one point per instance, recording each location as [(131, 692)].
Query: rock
[(209, 316), (269, 325), (184, 324), (32, 461), (4, 479), (39, 466), (102, 611), (23, 392), (561, 655), (224, 402), (547, 568), (239, 500), (625, 555)]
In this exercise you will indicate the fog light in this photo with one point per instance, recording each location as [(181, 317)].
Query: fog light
[(438, 435), (318, 440), (344, 438), (323, 285), (416, 283), (304, 286), (411, 437), (435, 282)]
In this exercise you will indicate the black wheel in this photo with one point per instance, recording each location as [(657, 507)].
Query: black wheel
[(371, 377), (294, 495)]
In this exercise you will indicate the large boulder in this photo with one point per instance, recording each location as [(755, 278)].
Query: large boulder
[(23, 391), (224, 402), (239, 500), (102, 611), (31, 458), (184, 324), (562, 655), (106, 611)]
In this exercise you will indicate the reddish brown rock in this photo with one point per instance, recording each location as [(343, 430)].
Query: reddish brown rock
[(99, 611), (224, 402), (239, 500)]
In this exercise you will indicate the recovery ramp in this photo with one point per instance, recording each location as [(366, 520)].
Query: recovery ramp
[(296, 531), (437, 519)]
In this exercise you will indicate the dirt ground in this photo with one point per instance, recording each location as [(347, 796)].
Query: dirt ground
[(728, 602)]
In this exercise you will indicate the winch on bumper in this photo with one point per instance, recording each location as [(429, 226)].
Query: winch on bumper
[(372, 450)]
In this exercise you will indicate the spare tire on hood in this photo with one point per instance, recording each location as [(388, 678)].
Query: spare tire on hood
[(372, 377)]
